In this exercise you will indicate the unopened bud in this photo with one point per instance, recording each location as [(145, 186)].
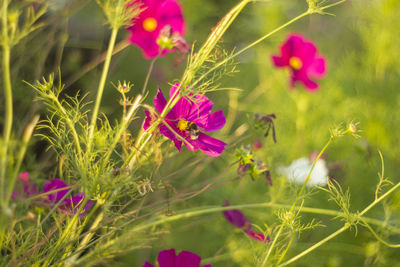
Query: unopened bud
[(352, 128)]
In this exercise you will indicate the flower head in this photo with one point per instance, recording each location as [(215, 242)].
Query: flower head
[(300, 56), (168, 258), (298, 170), (70, 205), (158, 15), (237, 219), (187, 121), (28, 187)]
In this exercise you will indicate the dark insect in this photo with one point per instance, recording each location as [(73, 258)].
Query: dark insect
[(193, 130), (266, 121)]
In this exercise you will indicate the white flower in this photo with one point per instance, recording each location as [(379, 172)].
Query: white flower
[(299, 169)]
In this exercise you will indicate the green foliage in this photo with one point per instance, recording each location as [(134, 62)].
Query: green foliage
[(148, 197)]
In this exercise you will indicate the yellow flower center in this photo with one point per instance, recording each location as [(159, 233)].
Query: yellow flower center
[(295, 63), (149, 24), (182, 125)]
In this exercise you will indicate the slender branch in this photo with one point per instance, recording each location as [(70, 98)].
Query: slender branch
[(65, 233), (286, 249), (100, 89), (370, 206), (323, 241), (93, 64), (294, 204), (148, 74), (7, 93), (378, 237), (123, 126)]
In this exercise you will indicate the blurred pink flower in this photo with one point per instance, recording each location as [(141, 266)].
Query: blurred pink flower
[(168, 258), (188, 120), (28, 187), (300, 56), (71, 204), (237, 219), (158, 16)]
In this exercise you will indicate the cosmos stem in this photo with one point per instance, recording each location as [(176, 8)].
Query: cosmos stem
[(7, 94), (101, 87), (292, 208)]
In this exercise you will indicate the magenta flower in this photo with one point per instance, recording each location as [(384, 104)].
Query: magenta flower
[(188, 120), (300, 56), (237, 219), (158, 16), (168, 258), (28, 187), (69, 205)]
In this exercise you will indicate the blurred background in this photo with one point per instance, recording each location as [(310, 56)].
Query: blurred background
[(361, 43)]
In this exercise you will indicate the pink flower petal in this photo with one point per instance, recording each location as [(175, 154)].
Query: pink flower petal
[(147, 264), (170, 135), (236, 217), (148, 120), (280, 61), (24, 176), (167, 258), (55, 185), (318, 68), (170, 13), (71, 205), (208, 145), (216, 121), (187, 259), (159, 101), (256, 236), (201, 105)]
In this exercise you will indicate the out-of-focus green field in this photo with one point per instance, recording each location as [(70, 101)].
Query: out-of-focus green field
[(362, 46)]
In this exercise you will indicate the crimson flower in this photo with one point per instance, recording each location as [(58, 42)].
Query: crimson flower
[(168, 258), (237, 219), (188, 120), (157, 17), (71, 204), (300, 56)]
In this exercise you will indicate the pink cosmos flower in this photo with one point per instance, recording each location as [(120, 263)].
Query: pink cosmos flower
[(237, 219), (300, 56), (188, 120), (28, 187), (158, 16), (168, 258), (69, 205)]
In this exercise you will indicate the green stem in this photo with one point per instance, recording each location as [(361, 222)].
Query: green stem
[(148, 74), (122, 129), (101, 86), (286, 249), (378, 237), (320, 243), (188, 214), (89, 235), (26, 137), (376, 201), (7, 94), (294, 204), (65, 233)]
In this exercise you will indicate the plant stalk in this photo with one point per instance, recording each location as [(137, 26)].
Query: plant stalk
[(7, 94), (100, 89)]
